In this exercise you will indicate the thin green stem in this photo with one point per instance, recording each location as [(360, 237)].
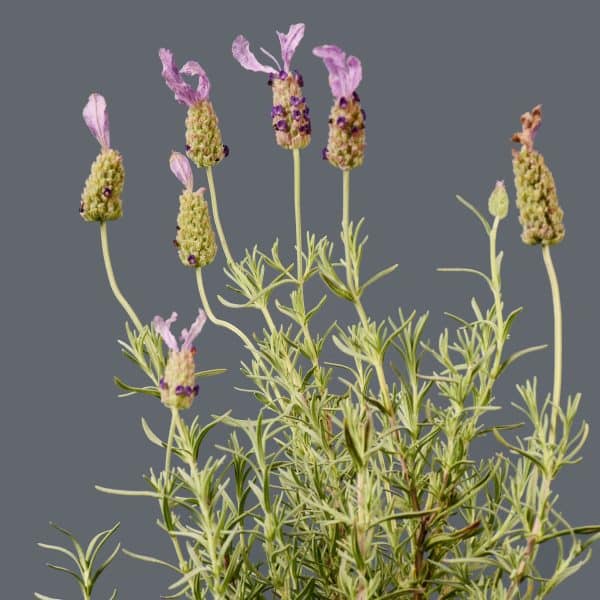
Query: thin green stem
[(547, 477), (298, 212), (113, 282), (215, 211), (558, 341), (220, 322), (346, 227), (168, 454)]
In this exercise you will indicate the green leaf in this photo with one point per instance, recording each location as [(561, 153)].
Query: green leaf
[(151, 559), (149, 390), (336, 288), (516, 355), (377, 277), (210, 372), (151, 435), (484, 221)]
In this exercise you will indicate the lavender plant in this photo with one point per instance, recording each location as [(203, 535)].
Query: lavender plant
[(358, 478)]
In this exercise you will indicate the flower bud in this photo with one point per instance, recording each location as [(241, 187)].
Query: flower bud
[(204, 144), (195, 239), (498, 201), (178, 387), (101, 196)]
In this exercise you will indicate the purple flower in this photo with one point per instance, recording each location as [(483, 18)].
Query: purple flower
[(163, 328), (184, 92), (95, 115), (345, 73), (288, 41), (180, 167)]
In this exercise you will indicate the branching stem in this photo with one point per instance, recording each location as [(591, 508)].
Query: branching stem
[(215, 211), (112, 280)]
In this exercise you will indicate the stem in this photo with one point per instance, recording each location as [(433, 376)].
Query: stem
[(351, 281), (215, 211), (205, 510), (298, 211), (168, 454), (558, 340), (544, 495), (346, 227), (113, 282), (220, 322)]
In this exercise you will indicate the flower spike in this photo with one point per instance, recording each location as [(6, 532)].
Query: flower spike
[(178, 387), (289, 113), (537, 200), (101, 196), (346, 143), (195, 239), (203, 136)]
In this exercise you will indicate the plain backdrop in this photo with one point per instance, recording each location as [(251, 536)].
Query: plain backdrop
[(444, 85)]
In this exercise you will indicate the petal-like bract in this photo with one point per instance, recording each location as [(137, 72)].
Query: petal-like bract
[(163, 328), (95, 115), (183, 91), (189, 335), (242, 53), (181, 168), (345, 74), (289, 42)]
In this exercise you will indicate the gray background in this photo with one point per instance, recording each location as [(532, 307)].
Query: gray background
[(444, 84)]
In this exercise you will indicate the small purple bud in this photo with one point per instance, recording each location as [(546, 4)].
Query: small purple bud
[(282, 125), (277, 110), (305, 112), (296, 114), (299, 78), (196, 389), (270, 80), (188, 390), (107, 192), (180, 390), (354, 129), (191, 259), (294, 100), (343, 102), (187, 147), (356, 97), (282, 75), (363, 113), (303, 100), (341, 121), (324, 153), (162, 384), (225, 150)]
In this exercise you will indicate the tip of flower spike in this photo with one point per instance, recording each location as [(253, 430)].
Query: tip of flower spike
[(530, 123), (95, 115), (181, 168)]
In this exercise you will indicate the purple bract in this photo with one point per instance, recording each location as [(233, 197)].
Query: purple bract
[(173, 76)]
